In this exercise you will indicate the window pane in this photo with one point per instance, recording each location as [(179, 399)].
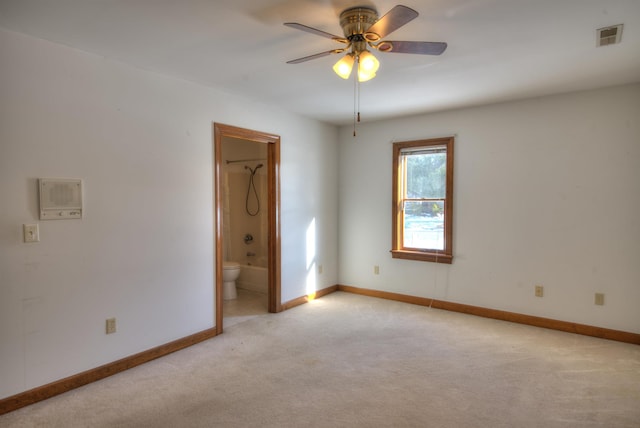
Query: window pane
[(423, 200), (426, 175), (424, 225)]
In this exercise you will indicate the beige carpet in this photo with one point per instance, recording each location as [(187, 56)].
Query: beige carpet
[(353, 361)]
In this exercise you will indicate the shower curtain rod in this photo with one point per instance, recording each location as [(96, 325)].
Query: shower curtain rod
[(245, 160)]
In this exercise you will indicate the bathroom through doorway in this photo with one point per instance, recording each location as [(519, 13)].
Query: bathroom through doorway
[(247, 221)]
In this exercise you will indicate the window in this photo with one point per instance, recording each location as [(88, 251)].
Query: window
[(423, 200)]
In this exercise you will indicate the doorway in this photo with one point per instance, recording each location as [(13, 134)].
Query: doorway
[(222, 132)]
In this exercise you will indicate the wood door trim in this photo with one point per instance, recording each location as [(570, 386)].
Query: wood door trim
[(273, 171)]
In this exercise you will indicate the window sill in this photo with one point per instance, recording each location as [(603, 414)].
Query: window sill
[(423, 256)]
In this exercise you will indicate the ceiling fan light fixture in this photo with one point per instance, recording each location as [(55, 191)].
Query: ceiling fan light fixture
[(368, 62), (364, 76), (344, 66)]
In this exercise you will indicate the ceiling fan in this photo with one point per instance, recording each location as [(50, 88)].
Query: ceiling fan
[(363, 29)]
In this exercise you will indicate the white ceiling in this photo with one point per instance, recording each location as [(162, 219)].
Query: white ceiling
[(498, 49)]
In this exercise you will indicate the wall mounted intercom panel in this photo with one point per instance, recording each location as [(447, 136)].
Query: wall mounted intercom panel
[(60, 198)]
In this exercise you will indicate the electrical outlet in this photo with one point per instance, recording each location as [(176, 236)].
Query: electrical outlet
[(539, 291), (599, 300), (111, 325), (376, 270)]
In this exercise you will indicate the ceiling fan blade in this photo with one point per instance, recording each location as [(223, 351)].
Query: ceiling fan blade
[(422, 48), (315, 31), (318, 55), (394, 19)]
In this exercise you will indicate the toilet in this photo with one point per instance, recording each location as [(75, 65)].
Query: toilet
[(230, 272)]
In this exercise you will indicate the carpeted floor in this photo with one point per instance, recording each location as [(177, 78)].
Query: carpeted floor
[(352, 361)]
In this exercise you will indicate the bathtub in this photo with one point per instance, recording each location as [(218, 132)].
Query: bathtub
[(254, 278)]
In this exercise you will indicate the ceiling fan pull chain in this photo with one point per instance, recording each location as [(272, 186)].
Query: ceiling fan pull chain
[(358, 101), (355, 97), (358, 83)]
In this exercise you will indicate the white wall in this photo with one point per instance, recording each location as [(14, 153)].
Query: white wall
[(143, 253), (547, 191)]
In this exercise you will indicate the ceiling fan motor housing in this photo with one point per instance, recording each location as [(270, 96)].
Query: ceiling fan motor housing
[(356, 21)]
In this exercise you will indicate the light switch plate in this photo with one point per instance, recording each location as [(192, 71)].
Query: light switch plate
[(31, 232), (110, 326)]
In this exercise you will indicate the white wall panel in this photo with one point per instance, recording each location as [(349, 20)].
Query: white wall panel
[(547, 191), (143, 253)]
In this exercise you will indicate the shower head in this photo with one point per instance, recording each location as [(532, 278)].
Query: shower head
[(253, 170)]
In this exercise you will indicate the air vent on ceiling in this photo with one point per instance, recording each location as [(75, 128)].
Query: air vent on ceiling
[(609, 35)]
